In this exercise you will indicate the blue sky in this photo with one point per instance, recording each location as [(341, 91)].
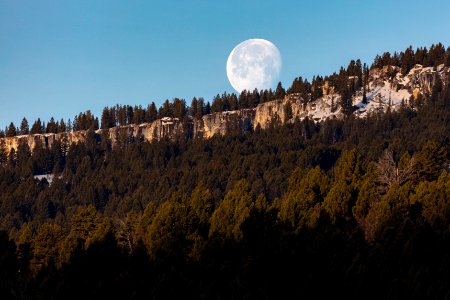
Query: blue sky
[(58, 58)]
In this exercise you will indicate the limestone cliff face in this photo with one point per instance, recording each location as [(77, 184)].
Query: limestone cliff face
[(219, 123), (291, 107), (46, 140), (419, 77), (155, 131), (425, 78)]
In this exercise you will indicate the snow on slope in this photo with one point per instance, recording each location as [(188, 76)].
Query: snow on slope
[(382, 92)]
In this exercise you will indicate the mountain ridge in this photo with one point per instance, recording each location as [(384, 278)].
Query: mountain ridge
[(387, 89)]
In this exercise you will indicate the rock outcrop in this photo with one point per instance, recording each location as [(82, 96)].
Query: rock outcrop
[(419, 77), (222, 122), (46, 140), (155, 131), (293, 106), (388, 87)]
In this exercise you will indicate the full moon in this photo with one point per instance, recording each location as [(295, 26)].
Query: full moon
[(254, 63)]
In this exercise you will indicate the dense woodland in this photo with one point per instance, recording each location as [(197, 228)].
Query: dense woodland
[(352, 207)]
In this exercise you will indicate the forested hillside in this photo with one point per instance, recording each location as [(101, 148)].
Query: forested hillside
[(348, 206)]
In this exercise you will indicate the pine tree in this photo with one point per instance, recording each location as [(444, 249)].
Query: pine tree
[(151, 114), (47, 245), (168, 233), (105, 119), (3, 153), (12, 158), (52, 127), (301, 206), (193, 109), (217, 104), (37, 127), (179, 108), (430, 161), (121, 115), (280, 92), (255, 98), (69, 126), (358, 74), (166, 110), (62, 126), (234, 102), (365, 83), (435, 200), (24, 128), (139, 115), (407, 60), (11, 130), (243, 100), (23, 158), (201, 110), (346, 101), (130, 114), (342, 196), (288, 111), (232, 212)]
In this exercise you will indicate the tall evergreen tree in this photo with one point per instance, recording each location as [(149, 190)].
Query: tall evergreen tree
[(37, 127), (106, 119), (193, 109), (151, 114), (179, 108), (207, 108), (138, 115), (243, 100), (69, 125), (24, 127), (280, 92), (217, 104), (62, 126), (166, 110), (11, 130), (52, 127), (130, 114), (346, 101)]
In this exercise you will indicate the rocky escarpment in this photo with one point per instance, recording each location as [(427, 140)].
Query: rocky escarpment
[(293, 107), (419, 77), (155, 131), (222, 122), (388, 88), (46, 140), (171, 128)]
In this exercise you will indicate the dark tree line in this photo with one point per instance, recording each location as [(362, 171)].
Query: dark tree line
[(435, 56), (246, 99)]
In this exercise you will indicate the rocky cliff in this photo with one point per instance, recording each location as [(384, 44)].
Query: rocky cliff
[(157, 130), (222, 122), (388, 87), (46, 140)]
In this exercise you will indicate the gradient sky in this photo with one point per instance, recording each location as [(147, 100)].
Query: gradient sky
[(58, 58)]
